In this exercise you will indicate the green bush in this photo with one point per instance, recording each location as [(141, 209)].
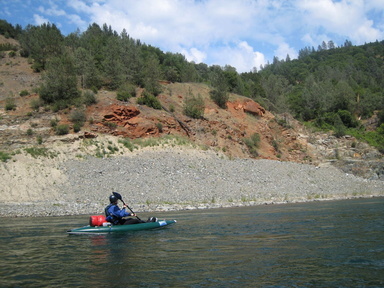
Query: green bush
[(4, 157), (76, 127), (110, 125), (60, 105), (62, 129), (36, 104), (125, 92), (7, 47), (149, 100), (54, 123), (347, 118), (220, 97), (127, 143), (24, 93), (194, 106), (89, 98), (10, 104), (159, 126), (36, 152), (39, 139), (253, 143), (78, 117), (340, 129)]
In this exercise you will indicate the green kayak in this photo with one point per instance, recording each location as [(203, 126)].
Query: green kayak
[(121, 228)]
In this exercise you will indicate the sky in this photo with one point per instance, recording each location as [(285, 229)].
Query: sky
[(244, 34)]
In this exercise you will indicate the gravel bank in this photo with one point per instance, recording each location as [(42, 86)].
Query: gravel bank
[(176, 179)]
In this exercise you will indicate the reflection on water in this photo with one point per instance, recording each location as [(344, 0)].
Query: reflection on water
[(323, 244)]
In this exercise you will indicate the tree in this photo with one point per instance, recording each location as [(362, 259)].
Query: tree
[(41, 43), (151, 75), (59, 81), (220, 92), (347, 43), (344, 97), (324, 46), (112, 66), (130, 58), (276, 89), (194, 106), (86, 69)]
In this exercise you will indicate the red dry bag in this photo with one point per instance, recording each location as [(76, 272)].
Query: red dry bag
[(97, 220)]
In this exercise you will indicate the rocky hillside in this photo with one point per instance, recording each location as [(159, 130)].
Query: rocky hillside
[(223, 130)]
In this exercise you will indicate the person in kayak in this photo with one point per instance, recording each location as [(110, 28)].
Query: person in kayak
[(115, 215)]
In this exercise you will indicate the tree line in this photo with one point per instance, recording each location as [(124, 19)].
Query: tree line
[(331, 87)]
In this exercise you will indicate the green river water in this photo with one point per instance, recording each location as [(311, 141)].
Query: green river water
[(319, 244)]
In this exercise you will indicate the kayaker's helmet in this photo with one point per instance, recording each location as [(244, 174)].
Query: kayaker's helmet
[(113, 199)]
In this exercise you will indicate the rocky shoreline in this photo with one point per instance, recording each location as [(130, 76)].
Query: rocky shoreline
[(172, 179)]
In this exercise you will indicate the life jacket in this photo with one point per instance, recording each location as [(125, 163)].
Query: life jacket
[(110, 217)]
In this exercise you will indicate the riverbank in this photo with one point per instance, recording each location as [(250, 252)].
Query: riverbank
[(162, 179)]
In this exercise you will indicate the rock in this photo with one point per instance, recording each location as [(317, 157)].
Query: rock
[(253, 108)]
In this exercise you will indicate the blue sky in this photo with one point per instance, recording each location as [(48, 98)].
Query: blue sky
[(241, 33)]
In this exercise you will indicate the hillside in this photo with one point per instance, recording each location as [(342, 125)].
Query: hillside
[(222, 130), (50, 174)]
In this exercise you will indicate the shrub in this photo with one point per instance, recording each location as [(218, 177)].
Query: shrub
[(39, 139), (340, 129), (4, 157), (220, 97), (36, 104), (60, 105), (24, 93), (149, 100), (10, 104), (54, 123), (347, 118), (7, 47), (62, 129), (159, 126), (125, 92), (76, 127), (110, 125), (253, 143), (89, 98), (127, 144), (78, 117), (194, 106), (36, 152)]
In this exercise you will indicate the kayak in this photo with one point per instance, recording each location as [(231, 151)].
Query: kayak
[(121, 228)]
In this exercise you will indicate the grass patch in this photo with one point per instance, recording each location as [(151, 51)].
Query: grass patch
[(4, 156), (253, 143), (36, 152)]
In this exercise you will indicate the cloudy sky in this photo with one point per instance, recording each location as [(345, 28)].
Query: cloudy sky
[(241, 33)]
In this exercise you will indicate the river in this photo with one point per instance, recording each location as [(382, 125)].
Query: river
[(317, 244)]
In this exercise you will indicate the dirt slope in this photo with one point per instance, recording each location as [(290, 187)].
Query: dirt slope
[(224, 130)]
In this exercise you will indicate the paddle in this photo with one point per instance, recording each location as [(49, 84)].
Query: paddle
[(118, 196)]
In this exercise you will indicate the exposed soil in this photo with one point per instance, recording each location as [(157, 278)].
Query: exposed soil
[(282, 137)]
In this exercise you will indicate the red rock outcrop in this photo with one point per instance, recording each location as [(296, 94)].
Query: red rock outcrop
[(121, 115)]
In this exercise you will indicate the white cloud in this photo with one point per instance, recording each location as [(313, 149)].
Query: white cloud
[(241, 33), (283, 50), (241, 56), (39, 20), (194, 55), (344, 18), (52, 10)]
